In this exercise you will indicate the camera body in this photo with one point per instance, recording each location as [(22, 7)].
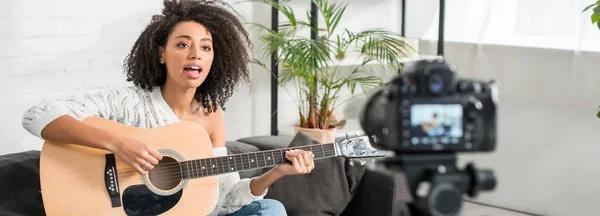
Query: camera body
[(426, 116), (429, 110)]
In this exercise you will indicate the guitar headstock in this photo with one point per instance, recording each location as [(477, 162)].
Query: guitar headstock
[(358, 147)]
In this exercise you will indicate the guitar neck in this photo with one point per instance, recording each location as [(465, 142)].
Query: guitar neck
[(249, 161)]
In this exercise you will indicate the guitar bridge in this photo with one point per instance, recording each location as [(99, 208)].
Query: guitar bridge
[(111, 180)]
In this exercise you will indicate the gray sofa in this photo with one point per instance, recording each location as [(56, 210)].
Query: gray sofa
[(334, 187)]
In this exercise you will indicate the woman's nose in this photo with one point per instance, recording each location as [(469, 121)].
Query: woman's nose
[(194, 53)]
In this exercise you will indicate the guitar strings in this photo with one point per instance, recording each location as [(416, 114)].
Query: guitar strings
[(171, 174), (219, 160), (220, 164), (177, 175), (174, 170), (281, 151)]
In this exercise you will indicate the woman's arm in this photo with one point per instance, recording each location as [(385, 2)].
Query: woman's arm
[(66, 129), (109, 104), (60, 121)]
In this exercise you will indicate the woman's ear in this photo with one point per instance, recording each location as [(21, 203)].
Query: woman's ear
[(161, 53)]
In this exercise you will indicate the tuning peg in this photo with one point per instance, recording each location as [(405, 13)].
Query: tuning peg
[(362, 162), (351, 162)]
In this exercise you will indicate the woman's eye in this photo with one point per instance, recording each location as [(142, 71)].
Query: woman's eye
[(182, 45), (207, 48)]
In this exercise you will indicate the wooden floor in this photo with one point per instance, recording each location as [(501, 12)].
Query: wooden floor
[(473, 209)]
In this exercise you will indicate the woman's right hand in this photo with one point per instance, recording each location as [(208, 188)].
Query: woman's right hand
[(136, 154)]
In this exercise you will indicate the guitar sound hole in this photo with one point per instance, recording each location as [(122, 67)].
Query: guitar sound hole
[(166, 175)]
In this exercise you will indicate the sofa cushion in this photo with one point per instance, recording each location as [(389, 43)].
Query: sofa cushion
[(20, 184), (234, 147), (268, 142), (327, 190)]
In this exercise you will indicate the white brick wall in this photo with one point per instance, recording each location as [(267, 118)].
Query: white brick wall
[(64, 47), (56, 48)]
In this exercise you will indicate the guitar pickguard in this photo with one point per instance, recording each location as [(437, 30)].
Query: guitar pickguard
[(139, 200)]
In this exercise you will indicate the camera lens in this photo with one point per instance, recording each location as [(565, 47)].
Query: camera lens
[(436, 83)]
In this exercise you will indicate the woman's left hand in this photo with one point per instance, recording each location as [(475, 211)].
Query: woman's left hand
[(302, 163)]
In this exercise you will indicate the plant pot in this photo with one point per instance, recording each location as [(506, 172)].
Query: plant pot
[(323, 136)]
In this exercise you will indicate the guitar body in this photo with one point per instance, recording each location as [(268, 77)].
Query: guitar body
[(76, 180)]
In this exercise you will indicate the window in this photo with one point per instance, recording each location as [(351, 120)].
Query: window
[(536, 23)]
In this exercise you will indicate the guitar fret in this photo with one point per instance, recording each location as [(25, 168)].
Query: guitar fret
[(222, 165), (195, 171), (260, 158), (187, 167), (282, 154), (219, 166), (256, 159), (206, 167), (322, 151), (330, 150), (213, 164), (190, 168), (182, 171), (249, 164), (228, 165), (209, 170), (203, 166), (272, 158)]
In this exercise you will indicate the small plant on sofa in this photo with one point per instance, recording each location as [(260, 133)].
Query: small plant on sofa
[(313, 65), (595, 20)]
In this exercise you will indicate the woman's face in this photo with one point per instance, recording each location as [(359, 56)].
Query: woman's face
[(188, 54)]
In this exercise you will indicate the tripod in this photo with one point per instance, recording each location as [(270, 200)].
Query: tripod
[(437, 185)]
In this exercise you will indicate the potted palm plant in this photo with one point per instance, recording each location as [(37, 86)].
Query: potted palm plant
[(313, 65)]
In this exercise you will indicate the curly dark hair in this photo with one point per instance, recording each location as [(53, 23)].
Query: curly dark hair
[(230, 45)]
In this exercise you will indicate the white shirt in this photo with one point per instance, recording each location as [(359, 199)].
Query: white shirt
[(139, 108)]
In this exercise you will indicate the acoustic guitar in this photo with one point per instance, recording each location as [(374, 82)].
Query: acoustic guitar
[(79, 180)]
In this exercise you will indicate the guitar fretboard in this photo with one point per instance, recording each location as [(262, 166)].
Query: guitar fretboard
[(248, 161)]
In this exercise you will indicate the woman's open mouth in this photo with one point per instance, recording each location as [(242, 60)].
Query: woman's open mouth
[(193, 71)]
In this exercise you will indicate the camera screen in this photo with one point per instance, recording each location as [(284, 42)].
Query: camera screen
[(436, 123)]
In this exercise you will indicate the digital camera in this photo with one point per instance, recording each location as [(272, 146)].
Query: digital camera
[(427, 109)]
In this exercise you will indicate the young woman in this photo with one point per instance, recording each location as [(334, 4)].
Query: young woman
[(184, 67)]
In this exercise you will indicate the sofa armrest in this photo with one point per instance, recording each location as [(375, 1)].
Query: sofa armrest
[(381, 192)]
